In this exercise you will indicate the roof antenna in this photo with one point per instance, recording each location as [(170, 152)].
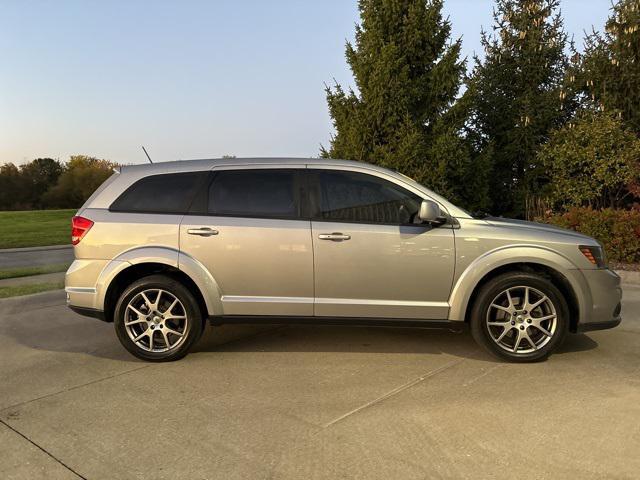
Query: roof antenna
[(145, 152)]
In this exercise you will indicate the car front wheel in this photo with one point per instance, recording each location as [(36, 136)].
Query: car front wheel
[(520, 317), (158, 319)]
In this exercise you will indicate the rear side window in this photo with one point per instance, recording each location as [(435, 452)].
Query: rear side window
[(254, 193), (167, 193), (361, 198)]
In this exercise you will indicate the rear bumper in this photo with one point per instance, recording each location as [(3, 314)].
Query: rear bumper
[(88, 312), (82, 281)]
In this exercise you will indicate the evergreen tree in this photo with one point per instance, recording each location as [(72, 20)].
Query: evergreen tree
[(518, 97), (608, 72), (408, 74)]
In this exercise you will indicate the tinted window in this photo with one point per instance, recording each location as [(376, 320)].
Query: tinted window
[(168, 193), (254, 193), (358, 197)]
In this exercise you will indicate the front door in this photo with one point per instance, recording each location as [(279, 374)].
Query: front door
[(254, 241), (371, 259)]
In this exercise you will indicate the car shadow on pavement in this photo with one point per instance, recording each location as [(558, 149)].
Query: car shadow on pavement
[(81, 336), (347, 339), (577, 343), (98, 339), (384, 340)]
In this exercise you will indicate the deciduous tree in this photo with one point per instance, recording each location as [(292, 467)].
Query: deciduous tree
[(593, 161), (37, 177), (12, 191), (82, 176)]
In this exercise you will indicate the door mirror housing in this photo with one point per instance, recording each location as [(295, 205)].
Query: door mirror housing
[(430, 213)]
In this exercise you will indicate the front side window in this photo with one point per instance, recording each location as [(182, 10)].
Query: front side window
[(254, 193), (169, 193), (361, 198)]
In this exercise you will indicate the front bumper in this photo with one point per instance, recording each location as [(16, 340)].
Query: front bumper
[(589, 327), (606, 297)]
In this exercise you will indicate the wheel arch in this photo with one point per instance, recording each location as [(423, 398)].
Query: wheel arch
[(138, 263), (128, 275), (559, 270)]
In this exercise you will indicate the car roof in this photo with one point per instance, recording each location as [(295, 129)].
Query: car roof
[(206, 163)]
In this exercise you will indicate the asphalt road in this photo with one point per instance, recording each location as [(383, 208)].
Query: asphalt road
[(312, 403), (35, 257)]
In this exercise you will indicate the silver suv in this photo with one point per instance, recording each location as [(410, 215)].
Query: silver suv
[(161, 249)]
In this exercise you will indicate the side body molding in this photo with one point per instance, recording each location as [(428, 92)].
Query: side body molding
[(535, 254), (166, 256)]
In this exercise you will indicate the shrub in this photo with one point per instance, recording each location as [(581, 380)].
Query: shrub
[(618, 230)]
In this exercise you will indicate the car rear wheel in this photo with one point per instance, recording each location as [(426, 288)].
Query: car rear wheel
[(158, 319), (520, 317)]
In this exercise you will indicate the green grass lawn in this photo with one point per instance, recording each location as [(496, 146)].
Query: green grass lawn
[(17, 291), (28, 271), (35, 228)]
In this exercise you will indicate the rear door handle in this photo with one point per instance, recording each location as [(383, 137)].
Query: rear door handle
[(335, 236), (203, 232)]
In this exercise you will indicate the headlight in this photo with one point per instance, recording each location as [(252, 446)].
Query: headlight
[(595, 255)]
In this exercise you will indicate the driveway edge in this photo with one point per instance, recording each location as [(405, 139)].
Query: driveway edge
[(32, 302), (629, 277), (35, 249)]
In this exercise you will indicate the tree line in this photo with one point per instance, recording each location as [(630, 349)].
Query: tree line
[(534, 125), (47, 183)]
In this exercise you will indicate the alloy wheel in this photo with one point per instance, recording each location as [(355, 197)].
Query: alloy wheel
[(156, 321), (521, 320)]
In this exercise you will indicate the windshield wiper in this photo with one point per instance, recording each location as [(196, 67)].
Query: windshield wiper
[(479, 215)]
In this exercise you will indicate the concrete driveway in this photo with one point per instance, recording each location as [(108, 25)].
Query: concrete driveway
[(312, 403)]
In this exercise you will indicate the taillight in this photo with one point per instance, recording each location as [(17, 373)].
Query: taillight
[(79, 228)]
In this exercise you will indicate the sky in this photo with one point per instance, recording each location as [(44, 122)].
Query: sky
[(189, 79)]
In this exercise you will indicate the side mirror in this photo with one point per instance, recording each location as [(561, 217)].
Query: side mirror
[(430, 212)]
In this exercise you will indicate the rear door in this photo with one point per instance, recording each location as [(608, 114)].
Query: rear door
[(371, 259), (247, 228)]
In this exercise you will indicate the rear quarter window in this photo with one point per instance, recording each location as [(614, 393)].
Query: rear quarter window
[(164, 193)]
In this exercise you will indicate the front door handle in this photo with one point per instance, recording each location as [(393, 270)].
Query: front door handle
[(203, 232), (335, 236)]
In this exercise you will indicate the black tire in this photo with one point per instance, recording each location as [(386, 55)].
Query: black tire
[(192, 326), (482, 312)]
